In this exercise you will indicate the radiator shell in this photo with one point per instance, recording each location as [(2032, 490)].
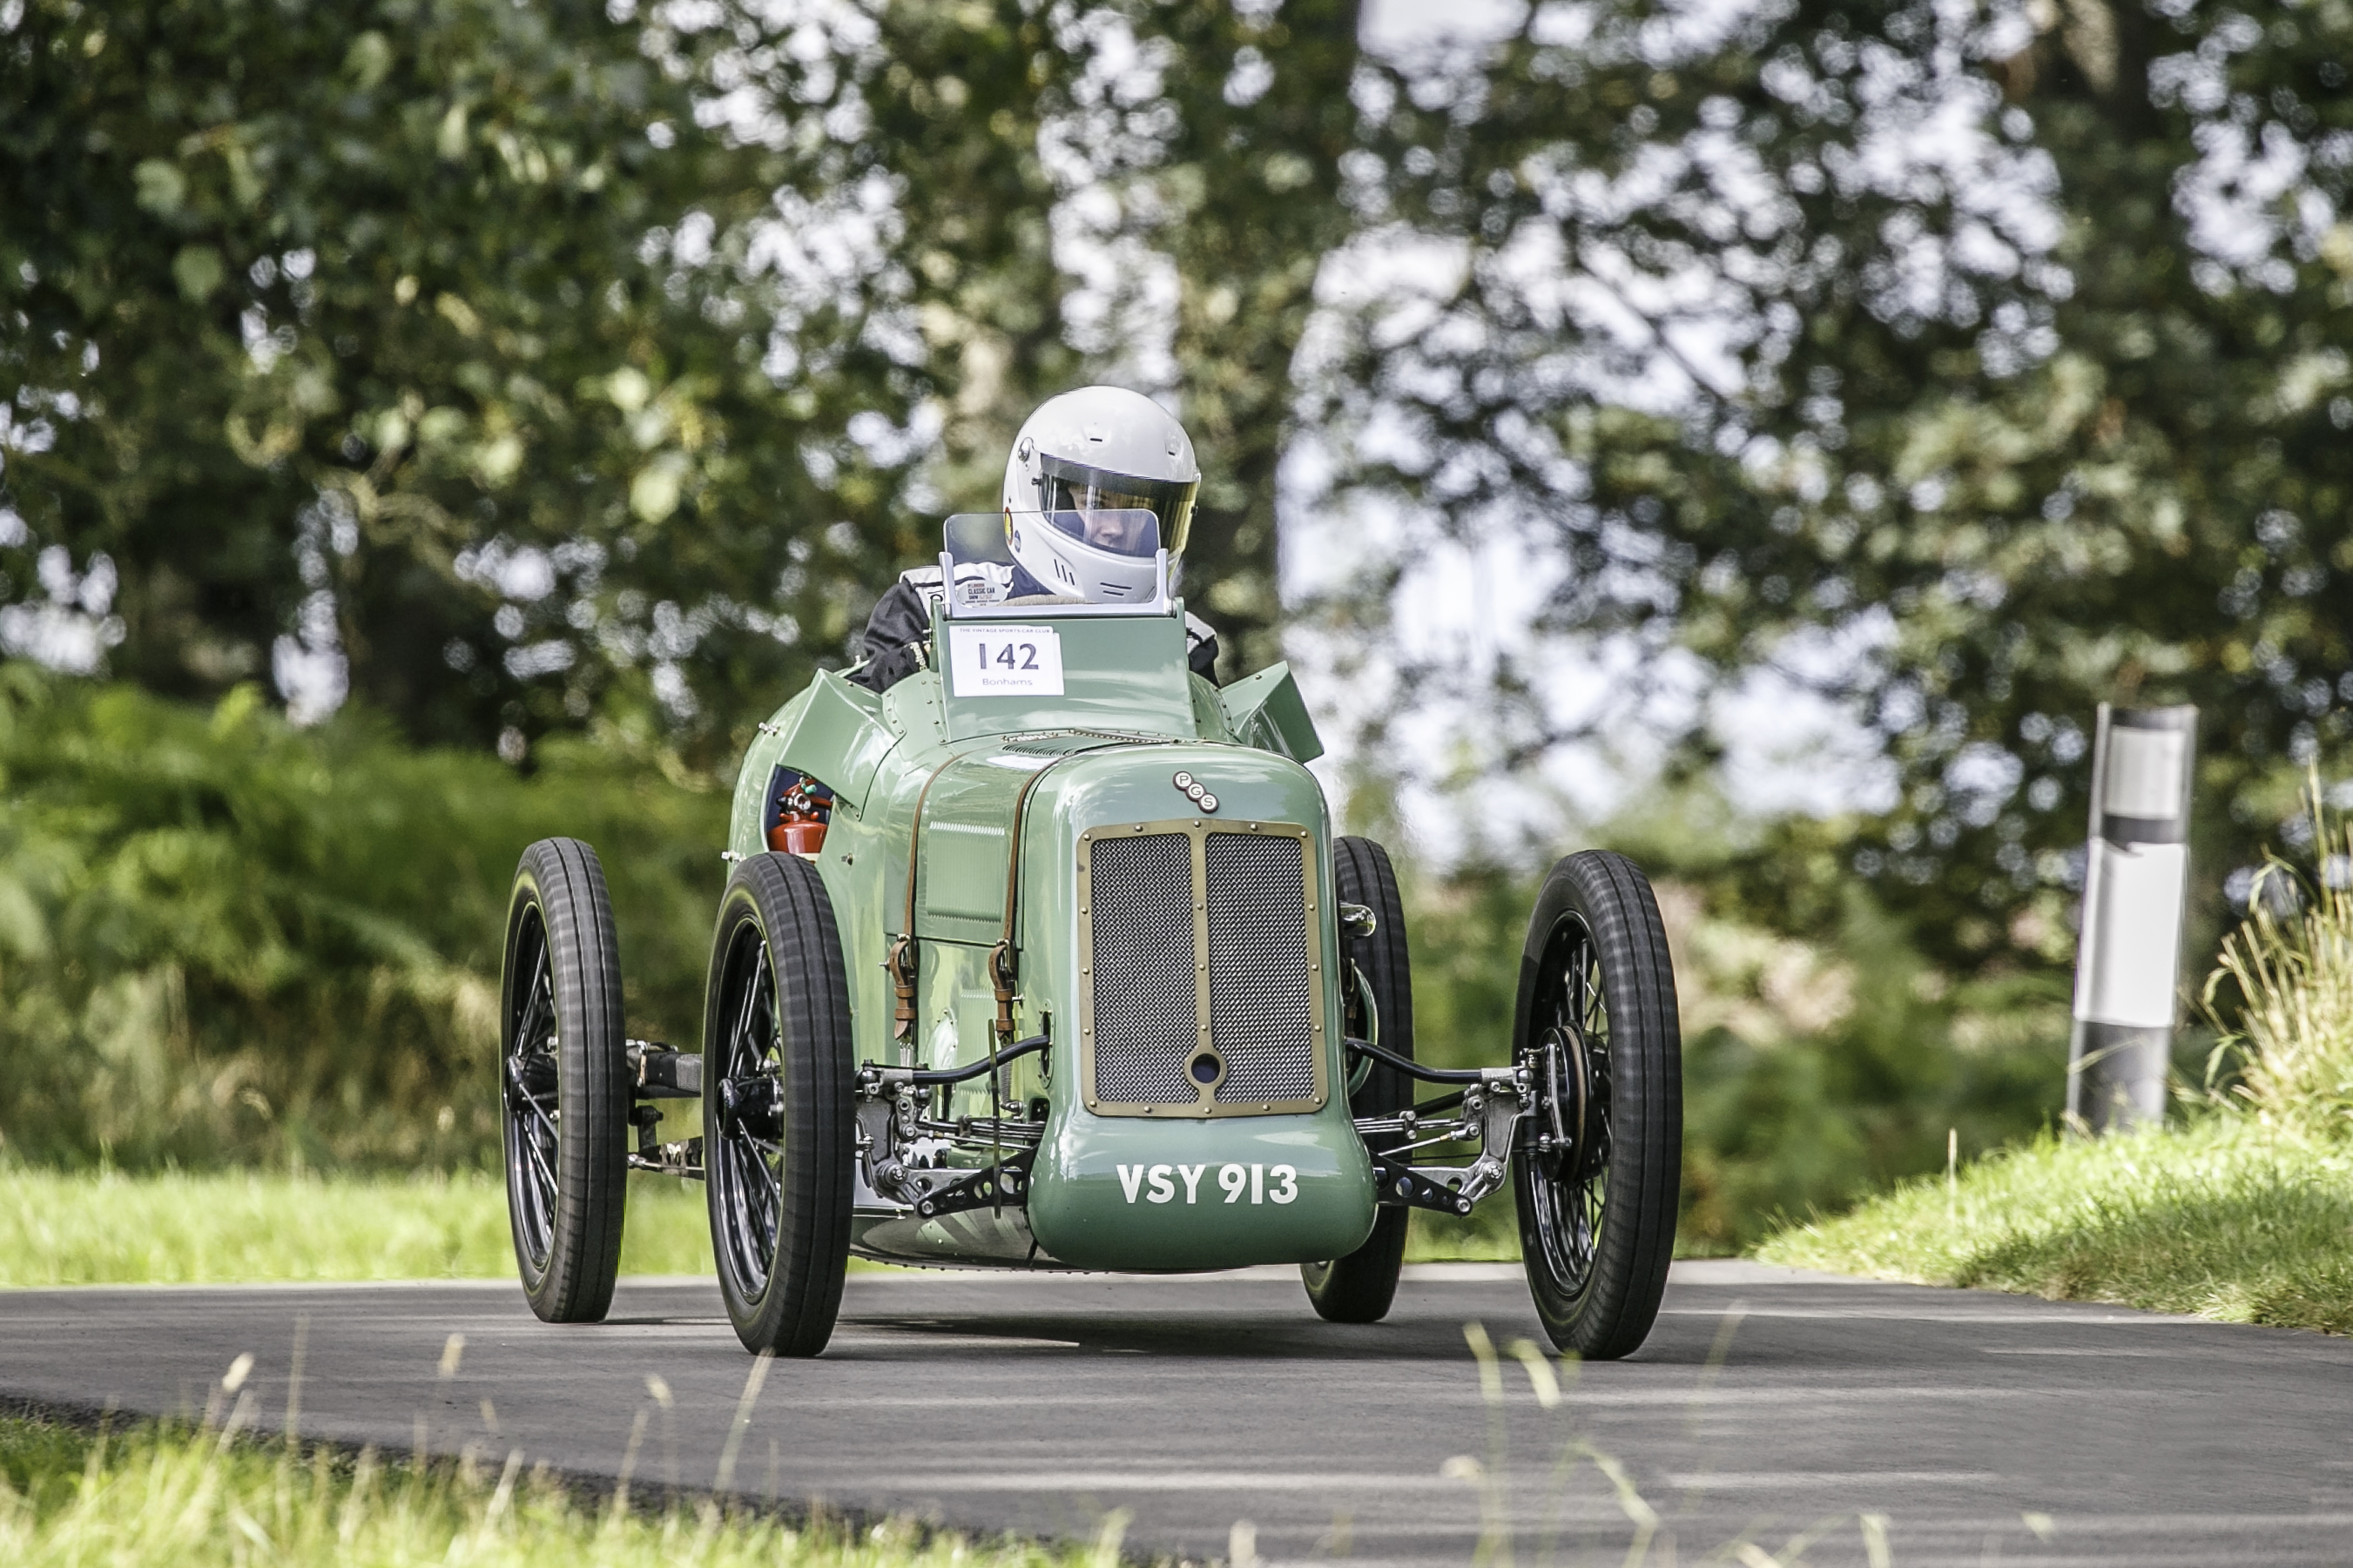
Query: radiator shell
[(1267, 1012)]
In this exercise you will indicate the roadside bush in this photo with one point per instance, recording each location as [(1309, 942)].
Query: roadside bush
[(223, 939), (2284, 988)]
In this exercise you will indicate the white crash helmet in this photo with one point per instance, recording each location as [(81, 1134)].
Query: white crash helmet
[(1085, 453)]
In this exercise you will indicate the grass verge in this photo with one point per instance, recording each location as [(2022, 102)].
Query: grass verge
[(253, 1227), (244, 1227), (164, 1495), (2234, 1218)]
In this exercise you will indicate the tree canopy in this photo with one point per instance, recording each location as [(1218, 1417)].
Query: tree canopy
[(2000, 354), (574, 365), (436, 334)]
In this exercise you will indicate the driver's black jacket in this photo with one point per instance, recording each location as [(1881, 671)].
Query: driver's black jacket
[(902, 622)]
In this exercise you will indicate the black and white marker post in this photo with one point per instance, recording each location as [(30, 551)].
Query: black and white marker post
[(2128, 958)]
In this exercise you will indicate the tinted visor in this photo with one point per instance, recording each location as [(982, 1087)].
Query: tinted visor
[(1073, 486), (1123, 531)]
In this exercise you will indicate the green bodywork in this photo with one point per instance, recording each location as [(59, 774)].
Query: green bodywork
[(1125, 1191)]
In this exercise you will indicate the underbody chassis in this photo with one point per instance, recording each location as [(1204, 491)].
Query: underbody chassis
[(914, 1162)]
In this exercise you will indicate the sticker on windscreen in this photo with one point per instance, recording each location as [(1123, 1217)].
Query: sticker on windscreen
[(1005, 661)]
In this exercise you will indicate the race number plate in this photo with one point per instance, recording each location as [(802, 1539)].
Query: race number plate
[(1005, 661)]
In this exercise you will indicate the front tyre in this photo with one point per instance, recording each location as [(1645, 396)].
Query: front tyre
[(1358, 1289), (1597, 1168), (778, 1122), (564, 1082)]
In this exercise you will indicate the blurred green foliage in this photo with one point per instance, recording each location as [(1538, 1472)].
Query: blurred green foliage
[(1951, 363), (221, 938), (224, 940), (438, 334), (569, 362), (579, 361)]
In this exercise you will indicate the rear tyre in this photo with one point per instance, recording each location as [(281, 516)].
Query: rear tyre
[(1358, 1289), (1597, 1168), (776, 1106), (565, 1079)]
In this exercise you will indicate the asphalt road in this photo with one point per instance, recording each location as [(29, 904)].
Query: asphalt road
[(1768, 1403)]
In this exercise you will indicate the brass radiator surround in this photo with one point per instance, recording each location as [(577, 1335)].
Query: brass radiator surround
[(1257, 961)]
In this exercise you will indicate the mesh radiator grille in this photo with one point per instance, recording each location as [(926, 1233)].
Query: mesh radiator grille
[(1236, 951), (1261, 1005), (1147, 1020)]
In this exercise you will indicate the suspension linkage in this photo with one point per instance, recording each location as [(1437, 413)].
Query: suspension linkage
[(1412, 1068), (1492, 1113), (982, 1130), (891, 1101), (871, 1078), (999, 1186)]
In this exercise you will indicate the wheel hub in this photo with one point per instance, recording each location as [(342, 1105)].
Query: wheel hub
[(751, 1107), (1567, 1069)]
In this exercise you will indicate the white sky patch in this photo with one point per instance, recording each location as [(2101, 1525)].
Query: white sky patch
[(311, 671), (72, 630), (1399, 28), (525, 572), (1103, 156), (1789, 745), (2232, 196), (1466, 608), (313, 683), (57, 637), (535, 659)]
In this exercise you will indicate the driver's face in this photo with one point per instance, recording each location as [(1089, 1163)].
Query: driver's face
[(1107, 518), (1107, 530), (1116, 523)]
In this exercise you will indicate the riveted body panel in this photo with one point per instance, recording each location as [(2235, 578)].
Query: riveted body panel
[(1266, 711)]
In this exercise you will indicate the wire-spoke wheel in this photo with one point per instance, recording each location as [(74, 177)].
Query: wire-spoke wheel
[(564, 1082), (1360, 1288), (777, 1117), (1597, 1168)]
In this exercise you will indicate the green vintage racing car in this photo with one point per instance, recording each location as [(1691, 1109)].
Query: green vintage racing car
[(1048, 958)]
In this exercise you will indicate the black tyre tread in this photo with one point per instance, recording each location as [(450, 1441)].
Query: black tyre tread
[(1361, 1287), (1653, 1222), (813, 1230), (816, 994), (592, 1149), (1637, 1240)]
